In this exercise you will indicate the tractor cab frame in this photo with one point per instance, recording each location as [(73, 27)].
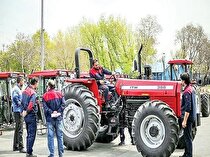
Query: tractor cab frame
[(7, 81)]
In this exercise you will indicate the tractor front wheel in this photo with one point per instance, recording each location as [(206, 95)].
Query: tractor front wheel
[(155, 129)]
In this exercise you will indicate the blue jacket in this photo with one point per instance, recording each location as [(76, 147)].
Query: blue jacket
[(29, 98), (53, 101), (16, 99), (188, 104)]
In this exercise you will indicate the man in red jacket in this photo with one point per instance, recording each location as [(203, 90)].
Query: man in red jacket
[(29, 113), (54, 103), (98, 72)]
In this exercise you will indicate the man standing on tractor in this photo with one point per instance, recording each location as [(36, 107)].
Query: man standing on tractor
[(17, 109), (29, 98), (98, 73), (53, 102), (187, 109)]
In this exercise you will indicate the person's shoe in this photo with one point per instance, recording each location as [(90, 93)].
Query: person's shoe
[(22, 150), (121, 143), (132, 142), (183, 155), (30, 155), (15, 149)]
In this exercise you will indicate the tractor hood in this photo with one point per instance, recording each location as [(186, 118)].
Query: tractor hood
[(136, 87)]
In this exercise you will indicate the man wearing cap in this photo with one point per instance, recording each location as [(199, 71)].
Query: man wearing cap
[(54, 103), (17, 109)]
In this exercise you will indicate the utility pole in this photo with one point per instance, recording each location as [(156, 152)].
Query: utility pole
[(42, 35), (3, 47), (164, 68)]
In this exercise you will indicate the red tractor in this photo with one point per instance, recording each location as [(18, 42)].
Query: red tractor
[(172, 73), (152, 110), (178, 66), (7, 81)]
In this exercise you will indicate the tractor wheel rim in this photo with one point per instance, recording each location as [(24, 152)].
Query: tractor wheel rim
[(152, 131), (73, 118)]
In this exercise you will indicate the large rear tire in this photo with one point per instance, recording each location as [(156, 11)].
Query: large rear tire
[(205, 105), (155, 129), (80, 117)]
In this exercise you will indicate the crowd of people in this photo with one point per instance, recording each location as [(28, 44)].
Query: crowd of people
[(25, 108)]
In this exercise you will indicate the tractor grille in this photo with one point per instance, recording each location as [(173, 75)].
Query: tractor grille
[(132, 105)]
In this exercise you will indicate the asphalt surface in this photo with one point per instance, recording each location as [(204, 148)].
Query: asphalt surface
[(201, 146)]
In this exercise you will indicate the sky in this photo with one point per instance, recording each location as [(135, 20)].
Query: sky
[(25, 16)]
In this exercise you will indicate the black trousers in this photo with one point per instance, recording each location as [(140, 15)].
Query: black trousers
[(188, 139), (18, 135), (122, 134)]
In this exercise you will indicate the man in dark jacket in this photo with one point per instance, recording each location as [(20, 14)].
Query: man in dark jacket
[(99, 73), (30, 109), (187, 109), (17, 109), (54, 103), (123, 124)]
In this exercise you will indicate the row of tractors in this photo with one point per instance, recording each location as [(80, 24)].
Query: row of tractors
[(152, 109)]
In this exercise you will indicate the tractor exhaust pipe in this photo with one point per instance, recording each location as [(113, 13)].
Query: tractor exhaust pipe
[(139, 61)]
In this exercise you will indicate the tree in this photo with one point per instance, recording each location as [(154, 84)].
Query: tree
[(21, 53), (64, 45), (146, 33), (48, 48), (111, 40), (194, 45), (191, 39)]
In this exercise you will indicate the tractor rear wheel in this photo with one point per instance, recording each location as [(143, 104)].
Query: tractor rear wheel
[(80, 117), (205, 105), (155, 128)]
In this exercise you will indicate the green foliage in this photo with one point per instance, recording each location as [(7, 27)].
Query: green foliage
[(111, 39), (146, 34)]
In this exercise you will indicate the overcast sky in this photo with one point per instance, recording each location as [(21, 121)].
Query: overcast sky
[(24, 16)]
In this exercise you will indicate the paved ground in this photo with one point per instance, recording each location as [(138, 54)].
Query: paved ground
[(201, 146)]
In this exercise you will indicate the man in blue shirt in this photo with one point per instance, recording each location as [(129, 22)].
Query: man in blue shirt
[(17, 109), (187, 109)]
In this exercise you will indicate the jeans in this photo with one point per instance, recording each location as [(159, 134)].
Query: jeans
[(31, 127), (188, 139), (55, 126), (18, 135), (105, 89)]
